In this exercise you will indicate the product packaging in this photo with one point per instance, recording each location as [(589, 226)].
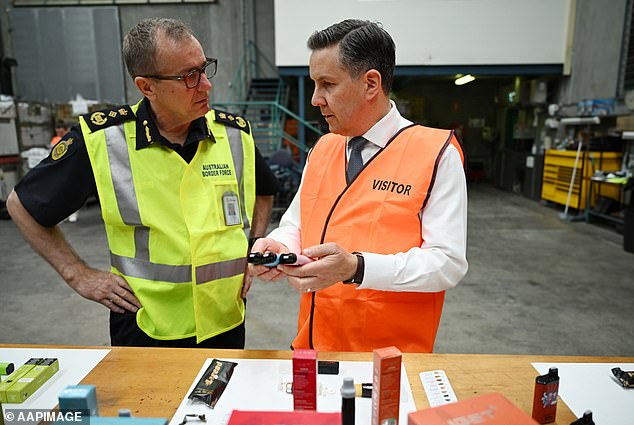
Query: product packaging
[(386, 386), (305, 379)]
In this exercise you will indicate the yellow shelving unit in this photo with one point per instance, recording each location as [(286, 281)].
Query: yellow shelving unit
[(558, 170)]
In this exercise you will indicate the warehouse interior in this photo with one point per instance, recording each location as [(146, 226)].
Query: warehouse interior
[(511, 121), (545, 119)]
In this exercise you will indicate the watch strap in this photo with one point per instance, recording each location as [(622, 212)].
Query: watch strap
[(358, 275)]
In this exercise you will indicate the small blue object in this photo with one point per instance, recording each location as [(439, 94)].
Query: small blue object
[(274, 262), (82, 398)]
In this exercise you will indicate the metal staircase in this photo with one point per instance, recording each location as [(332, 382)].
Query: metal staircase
[(261, 96)]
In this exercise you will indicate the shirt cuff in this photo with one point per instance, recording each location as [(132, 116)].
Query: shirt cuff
[(378, 271)]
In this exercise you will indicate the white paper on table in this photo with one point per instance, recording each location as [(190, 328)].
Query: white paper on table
[(257, 384), (74, 365), (591, 386)]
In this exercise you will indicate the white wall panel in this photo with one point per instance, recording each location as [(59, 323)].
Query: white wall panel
[(436, 32)]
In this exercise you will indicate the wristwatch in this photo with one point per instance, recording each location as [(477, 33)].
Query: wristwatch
[(358, 274)]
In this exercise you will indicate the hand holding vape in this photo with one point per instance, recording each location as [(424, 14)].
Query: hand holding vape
[(271, 259)]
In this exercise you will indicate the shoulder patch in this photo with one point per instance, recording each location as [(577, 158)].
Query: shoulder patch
[(108, 117), (232, 120), (61, 148)]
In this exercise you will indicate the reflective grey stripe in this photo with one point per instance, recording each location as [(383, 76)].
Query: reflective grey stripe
[(141, 243), (235, 143), (223, 269), (124, 191), (135, 267)]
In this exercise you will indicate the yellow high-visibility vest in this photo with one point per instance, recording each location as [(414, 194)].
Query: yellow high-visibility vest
[(177, 231)]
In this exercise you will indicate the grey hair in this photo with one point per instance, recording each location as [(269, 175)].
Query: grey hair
[(363, 45), (140, 43)]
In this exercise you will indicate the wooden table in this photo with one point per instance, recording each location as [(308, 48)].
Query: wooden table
[(152, 382)]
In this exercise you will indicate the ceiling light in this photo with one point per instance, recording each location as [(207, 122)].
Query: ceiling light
[(464, 79)]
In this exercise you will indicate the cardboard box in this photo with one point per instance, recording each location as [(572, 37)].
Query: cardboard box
[(8, 137), (35, 135), (304, 379), (489, 409), (34, 113), (31, 381), (625, 123), (386, 386)]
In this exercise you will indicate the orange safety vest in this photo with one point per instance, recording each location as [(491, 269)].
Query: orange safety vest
[(377, 212)]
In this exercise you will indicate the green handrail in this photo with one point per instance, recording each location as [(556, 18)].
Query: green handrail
[(250, 68), (274, 132), (277, 106)]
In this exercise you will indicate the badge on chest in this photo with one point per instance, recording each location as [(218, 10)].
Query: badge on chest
[(231, 209)]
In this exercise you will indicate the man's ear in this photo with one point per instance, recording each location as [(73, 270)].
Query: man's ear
[(145, 86), (373, 82)]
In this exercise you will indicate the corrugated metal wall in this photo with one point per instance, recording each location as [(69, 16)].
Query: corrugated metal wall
[(62, 52)]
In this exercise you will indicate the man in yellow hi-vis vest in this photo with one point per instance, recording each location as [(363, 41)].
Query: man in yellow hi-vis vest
[(382, 207), (177, 186)]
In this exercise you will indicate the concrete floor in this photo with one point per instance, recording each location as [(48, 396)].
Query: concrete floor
[(536, 285)]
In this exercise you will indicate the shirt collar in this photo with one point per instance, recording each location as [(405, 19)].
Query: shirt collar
[(384, 129), (148, 133)]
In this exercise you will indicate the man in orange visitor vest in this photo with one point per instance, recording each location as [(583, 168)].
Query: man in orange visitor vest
[(382, 207)]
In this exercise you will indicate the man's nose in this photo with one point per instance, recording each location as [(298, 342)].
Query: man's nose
[(205, 83), (317, 99)]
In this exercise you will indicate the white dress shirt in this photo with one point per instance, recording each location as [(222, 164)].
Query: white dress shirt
[(440, 262)]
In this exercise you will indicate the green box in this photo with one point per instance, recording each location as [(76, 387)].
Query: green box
[(17, 374), (25, 386)]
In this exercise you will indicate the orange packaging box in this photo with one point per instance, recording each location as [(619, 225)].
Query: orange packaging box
[(386, 386), (489, 409)]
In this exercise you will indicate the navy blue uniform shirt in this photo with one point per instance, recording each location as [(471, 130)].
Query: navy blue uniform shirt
[(54, 189)]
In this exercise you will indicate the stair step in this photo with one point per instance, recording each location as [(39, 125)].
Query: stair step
[(272, 91), (265, 80)]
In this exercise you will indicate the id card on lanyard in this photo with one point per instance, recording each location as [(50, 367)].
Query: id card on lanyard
[(231, 209)]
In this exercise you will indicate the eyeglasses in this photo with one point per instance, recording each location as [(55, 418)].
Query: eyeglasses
[(192, 78)]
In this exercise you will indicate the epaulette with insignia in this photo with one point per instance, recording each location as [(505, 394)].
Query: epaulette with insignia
[(107, 117), (232, 120)]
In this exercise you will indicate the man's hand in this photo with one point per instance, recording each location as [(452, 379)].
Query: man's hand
[(247, 281), (333, 264), (106, 288), (267, 245), (103, 287)]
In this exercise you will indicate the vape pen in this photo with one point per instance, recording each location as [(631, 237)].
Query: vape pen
[(347, 401), (545, 397), (6, 368), (586, 419)]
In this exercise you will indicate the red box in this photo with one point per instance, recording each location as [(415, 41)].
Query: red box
[(305, 379), (489, 409), (243, 417), (386, 386)]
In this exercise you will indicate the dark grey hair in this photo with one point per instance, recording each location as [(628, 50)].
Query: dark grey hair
[(139, 44), (363, 45)]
